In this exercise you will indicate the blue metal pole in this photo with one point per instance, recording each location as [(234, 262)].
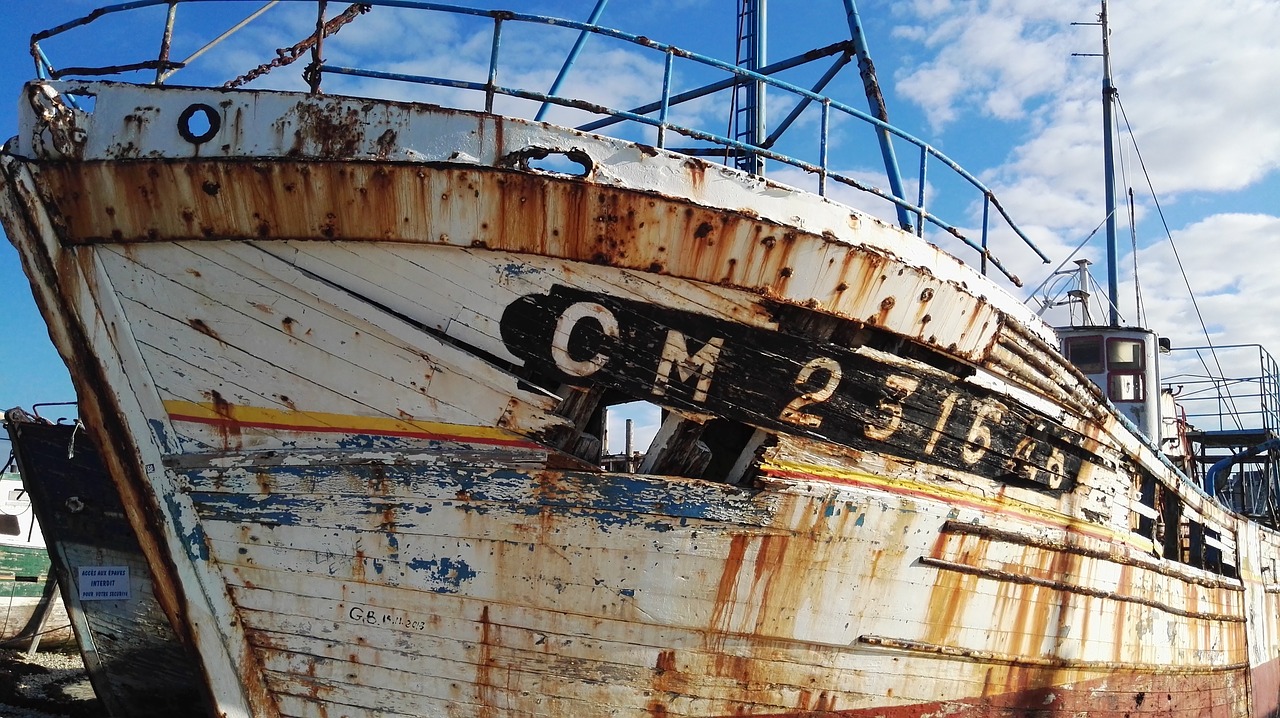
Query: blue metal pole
[(1224, 466), (924, 175), (800, 107), (573, 56), (705, 90), (876, 102), (666, 99), (493, 65), (759, 131), (986, 228), (822, 148), (1108, 161)]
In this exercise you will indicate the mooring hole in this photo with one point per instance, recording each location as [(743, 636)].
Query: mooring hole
[(199, 123), (84, 103)]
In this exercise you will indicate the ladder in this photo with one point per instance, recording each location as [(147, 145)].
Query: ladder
[(748, 120)]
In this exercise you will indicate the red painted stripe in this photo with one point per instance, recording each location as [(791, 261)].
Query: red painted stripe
[(1266, 689)]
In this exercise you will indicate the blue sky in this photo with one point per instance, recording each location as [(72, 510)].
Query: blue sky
[(993, 83)]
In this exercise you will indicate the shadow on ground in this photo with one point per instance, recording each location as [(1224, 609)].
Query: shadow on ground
[(50, 684)]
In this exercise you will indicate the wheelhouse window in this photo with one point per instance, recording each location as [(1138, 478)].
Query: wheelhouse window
[(1124, 355), (1125, 387), (1086, 354)]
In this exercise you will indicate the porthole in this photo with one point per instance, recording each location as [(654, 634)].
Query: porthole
[(199, 123)]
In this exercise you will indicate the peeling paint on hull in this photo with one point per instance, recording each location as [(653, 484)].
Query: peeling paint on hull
[(351, 403)]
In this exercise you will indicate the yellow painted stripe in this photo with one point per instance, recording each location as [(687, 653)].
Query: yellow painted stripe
[(315, 421), (1005, 505)]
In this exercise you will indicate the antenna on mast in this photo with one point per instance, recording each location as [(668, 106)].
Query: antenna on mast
[(1109, 166)]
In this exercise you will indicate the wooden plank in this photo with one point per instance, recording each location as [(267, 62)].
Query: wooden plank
[(312, 707), (332, 357)]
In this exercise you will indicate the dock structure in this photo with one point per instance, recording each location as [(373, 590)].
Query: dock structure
[(1231, 395)]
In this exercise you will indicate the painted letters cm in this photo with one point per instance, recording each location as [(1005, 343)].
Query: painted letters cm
[(784, 382)]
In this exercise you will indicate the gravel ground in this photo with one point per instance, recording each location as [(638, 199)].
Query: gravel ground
[(50, 684)]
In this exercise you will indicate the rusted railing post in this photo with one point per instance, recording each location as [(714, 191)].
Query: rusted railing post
[(491, 88), (312, 73), (165, 40)]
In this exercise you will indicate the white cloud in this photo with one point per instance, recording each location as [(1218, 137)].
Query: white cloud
[(1200, 88), (1236, 292), (993, 57), (1199, 92), (1203, 109), (611, 73)]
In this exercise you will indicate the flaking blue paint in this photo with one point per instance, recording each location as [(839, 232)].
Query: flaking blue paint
[(162, 435), (269, 509), (449, 572), (194, 541), (377, 442), (609, 500), (514, 270)]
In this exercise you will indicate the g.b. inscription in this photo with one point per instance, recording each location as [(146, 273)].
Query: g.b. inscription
[(857, 398), (383, 618)]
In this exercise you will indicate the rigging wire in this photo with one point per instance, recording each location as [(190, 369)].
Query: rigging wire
[(1058, 269), (1235, 412), (1126, 180), (1133, 251)]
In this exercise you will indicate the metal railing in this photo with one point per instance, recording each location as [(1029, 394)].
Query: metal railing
[(1234, 387), (656, 114)]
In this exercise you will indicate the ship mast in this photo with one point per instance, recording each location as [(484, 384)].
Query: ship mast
[(1121, 361), (1108, 160), (749, 123)]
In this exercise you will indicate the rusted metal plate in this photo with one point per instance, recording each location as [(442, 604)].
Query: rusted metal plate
[(762, 237), (474, 207)]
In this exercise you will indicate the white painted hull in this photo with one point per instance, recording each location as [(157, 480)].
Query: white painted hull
[(327, 381)]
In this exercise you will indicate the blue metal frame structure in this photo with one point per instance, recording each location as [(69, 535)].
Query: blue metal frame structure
[(1234, 422)]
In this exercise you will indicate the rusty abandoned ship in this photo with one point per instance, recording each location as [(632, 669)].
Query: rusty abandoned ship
[(347, 362)]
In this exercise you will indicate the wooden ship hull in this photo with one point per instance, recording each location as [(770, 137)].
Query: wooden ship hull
[(29, 606), (347, 360), (134, 660)]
